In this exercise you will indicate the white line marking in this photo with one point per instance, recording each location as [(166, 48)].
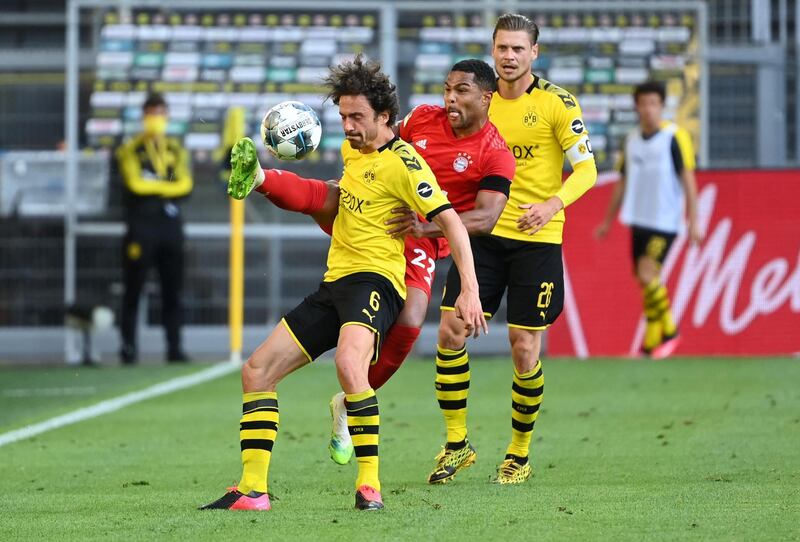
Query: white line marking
[(48, 392), (112, 405), (574, 317)]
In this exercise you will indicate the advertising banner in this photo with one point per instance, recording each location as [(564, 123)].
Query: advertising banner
[(736, 293)]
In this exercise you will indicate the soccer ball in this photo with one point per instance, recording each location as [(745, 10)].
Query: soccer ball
[(291, 130)]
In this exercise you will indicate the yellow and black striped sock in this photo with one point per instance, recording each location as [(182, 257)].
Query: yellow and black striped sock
[(452, 389), (363, 422), (668, 327), (652, 312), (257, 431), (527, 393)]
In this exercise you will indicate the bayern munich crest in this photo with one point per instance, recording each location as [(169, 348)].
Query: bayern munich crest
[(462, 162)]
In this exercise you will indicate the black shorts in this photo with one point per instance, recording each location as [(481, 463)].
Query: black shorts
[(532, 272), (652, 243), (364, 299)]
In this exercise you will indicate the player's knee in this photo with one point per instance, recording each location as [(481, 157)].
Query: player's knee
[(253, 375), (646, 270), (452, 333), (350, 372), (525, 350), (260, 374)]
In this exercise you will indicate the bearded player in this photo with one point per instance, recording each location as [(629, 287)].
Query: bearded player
[(473, 166)]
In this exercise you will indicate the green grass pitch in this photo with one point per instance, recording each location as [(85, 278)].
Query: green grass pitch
[(623, 450)]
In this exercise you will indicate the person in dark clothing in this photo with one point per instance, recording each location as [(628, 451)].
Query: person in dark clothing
[(156, 175)]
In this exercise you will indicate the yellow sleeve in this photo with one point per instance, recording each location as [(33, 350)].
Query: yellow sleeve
[(132, 174), (687, 149), (581, 179), (128, 163), (570, 131), (568, 122), (418, 187), (183, 183)]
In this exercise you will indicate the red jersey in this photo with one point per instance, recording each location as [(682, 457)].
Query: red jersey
[(462, 166)]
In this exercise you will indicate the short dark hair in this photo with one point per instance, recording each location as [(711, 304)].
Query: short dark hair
[(514, 22), (482, 72), (650, 87), (155, 99), (359, 78)]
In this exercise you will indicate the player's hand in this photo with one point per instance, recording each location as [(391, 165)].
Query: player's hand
[(405, 223), (538, 214), (468, 308), (695, 235), (602, 230)]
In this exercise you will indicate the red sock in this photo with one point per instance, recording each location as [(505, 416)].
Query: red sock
[(292, 192), (396, 347)]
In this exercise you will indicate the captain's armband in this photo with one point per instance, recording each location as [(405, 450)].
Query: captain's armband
[(580, 151)]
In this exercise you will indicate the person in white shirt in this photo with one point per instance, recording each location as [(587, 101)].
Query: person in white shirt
[(657, 185)]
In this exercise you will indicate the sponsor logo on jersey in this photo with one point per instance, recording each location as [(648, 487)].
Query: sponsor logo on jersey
[(521, 152), (577, 126), (424, 189), (349, 201), (422, 144), (462, 162), (529, 119)]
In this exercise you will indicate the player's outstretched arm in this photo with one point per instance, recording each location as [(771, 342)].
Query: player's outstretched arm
[(468, 305), (489, 206), (690, 190), (613, 208)]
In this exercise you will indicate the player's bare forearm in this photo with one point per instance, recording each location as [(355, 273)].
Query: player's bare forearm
[(690, 190), (468, 305), (616, 199), (450, 224), (489, 206), (478, 221), (613, 208)]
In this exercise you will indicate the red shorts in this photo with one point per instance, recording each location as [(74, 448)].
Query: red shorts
[(421, 255)]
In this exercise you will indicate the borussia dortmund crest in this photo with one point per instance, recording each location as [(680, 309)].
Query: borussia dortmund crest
[(529, 119)]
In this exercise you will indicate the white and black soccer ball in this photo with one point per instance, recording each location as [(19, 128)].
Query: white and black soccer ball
[(291, 130)]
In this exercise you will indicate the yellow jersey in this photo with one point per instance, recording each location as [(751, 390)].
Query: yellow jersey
[(540, 126), (155, 167), (372, 185)]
